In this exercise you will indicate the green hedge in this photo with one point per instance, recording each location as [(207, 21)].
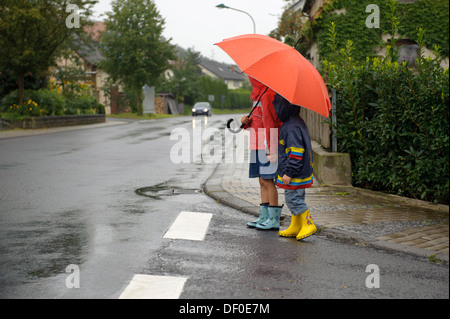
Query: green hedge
[(232, 99), (393, 120), (240, 99)]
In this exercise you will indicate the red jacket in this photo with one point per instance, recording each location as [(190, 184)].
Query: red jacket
[(263, 119)]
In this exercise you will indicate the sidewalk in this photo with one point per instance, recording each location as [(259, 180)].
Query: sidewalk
[(349, 214), (31, 132)]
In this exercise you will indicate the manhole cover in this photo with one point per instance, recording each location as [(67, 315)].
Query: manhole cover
[(160, 190)]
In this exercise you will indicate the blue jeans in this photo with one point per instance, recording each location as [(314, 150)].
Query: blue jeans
[(295, 200)]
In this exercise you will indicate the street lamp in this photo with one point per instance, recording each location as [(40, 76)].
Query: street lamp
[(222, 6)]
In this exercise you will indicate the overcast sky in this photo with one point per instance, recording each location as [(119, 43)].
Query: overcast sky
[(198, 24)]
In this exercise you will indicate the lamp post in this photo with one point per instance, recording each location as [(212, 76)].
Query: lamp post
[(222, 6)]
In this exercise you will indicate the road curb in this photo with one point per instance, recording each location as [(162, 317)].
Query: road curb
[(372, 242), (213, 188)]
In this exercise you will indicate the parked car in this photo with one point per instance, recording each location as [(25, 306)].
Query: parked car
[(202, 108)]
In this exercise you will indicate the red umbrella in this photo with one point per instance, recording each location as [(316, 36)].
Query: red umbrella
[(280, 67)]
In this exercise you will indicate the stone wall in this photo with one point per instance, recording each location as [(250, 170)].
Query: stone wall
[(55, 121), (331, 168)]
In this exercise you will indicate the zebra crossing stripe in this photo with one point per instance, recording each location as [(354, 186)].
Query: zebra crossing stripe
[(154, 287), (189, 226)]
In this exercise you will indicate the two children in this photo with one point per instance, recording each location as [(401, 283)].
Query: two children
[(294, 173)]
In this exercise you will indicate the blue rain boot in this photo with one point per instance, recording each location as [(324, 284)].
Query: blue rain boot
[(263, 215), (273, 222)]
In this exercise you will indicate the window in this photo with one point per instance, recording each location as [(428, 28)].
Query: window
[(408, 51)]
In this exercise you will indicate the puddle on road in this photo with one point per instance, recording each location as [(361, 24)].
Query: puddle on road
[(8, 165), (162, 190)]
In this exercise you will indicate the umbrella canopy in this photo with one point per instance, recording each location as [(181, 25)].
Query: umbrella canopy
[(280, 67)]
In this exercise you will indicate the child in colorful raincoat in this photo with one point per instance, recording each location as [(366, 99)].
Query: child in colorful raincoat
[(295, 167)]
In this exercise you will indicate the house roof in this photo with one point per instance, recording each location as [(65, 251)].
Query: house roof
[(88, 47), (91, 55), (298, 5), (302, 5), (222, 70), (88, 50), (307, 5)]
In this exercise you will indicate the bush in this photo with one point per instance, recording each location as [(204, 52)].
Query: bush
[(216, 87), (240, 99), (83, 104), (49, 102), (223, 97), (30, 106), (393, 120)]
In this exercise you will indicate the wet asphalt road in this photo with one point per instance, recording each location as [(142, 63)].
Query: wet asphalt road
[(69, 199)]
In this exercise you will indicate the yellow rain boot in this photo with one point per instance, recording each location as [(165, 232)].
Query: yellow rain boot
[(293, 229), (308, 227)]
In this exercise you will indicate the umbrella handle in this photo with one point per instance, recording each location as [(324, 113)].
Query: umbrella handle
[(242, 125), (233, 130), (250, 114)]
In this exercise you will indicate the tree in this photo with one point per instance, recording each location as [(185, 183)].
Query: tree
[(135, 51), (32, 33), (186, 75)]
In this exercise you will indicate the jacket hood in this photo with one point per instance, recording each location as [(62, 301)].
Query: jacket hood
[(258, 88), (284, 109)]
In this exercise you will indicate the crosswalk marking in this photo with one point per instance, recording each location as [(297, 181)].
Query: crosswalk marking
[(189, 226), (154, 287)]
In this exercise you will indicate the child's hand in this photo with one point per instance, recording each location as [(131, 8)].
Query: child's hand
[(245, 120), (286, 180), (272, 157)]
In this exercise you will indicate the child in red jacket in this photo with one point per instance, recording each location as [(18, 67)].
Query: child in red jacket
[(264, 126)]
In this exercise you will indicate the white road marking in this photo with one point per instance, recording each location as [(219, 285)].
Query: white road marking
[(189, 226), (154, 287)]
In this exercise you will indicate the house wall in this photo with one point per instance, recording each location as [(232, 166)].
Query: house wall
[(319, 131), (208, 73), (101, 78), (427, 52), (97, 80), (316, 6), (233, 84), (313, 52)]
